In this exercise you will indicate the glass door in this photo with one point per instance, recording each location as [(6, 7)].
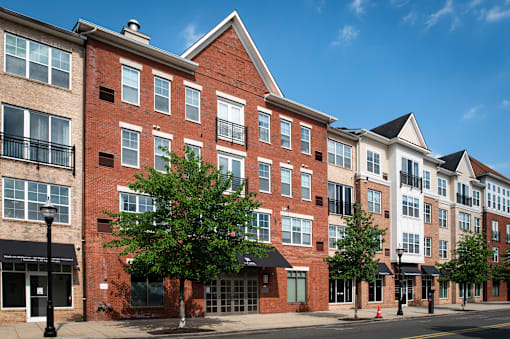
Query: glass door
[(38, 297)]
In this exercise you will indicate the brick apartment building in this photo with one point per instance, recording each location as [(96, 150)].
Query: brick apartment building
[(41, 98)]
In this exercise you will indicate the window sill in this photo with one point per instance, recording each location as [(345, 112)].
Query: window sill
[(309, 154), (287, 148), (287, 196), (265, 142), (167, 113), (308, 200), (69, 90), (193, 121), (130, 103), (308, 246), (130, 166), (266, 192), (342, 303), (374, 302)]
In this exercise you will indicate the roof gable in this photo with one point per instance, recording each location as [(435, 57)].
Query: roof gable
[(392, 128), (234, 20), (453, 161), (481, 169), (411, 132)]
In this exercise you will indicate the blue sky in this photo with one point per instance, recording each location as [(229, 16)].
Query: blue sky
[(363, 61)]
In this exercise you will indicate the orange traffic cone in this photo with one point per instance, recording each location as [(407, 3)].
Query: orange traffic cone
[(379, 314)]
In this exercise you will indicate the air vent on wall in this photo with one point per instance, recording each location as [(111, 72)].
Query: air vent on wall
[(103, 226), (386, 214), (319, 201), (318, 156), (385, 176), (106, 94), (320, 246), (387, 252), (105, 159)]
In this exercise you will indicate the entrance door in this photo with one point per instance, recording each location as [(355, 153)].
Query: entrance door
[(228, 295), (37, 297)]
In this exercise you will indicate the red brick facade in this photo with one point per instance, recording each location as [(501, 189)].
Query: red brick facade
[(503, 245)]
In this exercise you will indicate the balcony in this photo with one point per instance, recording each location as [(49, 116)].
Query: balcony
[(232, 132), (411, 180), (339, 207), (464, 200), (38, 151), (236, 183), (496, 236)]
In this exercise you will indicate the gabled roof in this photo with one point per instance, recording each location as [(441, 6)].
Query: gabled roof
[(392, 129), (482, 169), (234, 20), (451, 161)]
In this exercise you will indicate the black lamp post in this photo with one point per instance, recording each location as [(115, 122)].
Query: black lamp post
[(400, 251), (49, 212)]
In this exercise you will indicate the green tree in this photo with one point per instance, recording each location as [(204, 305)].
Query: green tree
[(196, 229), (470, 263), (357, 248)]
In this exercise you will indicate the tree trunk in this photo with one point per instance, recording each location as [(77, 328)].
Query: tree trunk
[(182, 306), (465, 295), (356, 301)]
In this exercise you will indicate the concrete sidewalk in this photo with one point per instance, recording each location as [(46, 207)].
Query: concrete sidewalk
[(225, 324)]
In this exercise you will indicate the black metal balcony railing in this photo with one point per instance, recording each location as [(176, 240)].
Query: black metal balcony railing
[(229, 131), (236, 183), (464, 200), (339, 207), (38, 151), (496, 236), (411, 180)]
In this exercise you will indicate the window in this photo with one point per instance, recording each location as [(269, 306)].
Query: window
[(264, 127), (410, 173), (443, 289), (411, 243), (476, 198), (130, 85), (478, 290), (264, 177), (161, 95), (375, 290), (441, 187), (339, 154), (428, 213), (306, 184), (130, 148), (305, 140), (46, 64), (443, 218), (489, 198), (426, 286), (464, 221), (373, 162), (495, 230), (499, 203), (410, 206), (340, 291), (196, 150), (335, 233), (443, 249), (233, 165), (147, 291), (469, 291), (259, 228), (13, 286), (134, 203), (286, 182), (339, 199), (285, 128), (23, 199), (427, 245), (192, 105), (374, 201), (426, 179), (160, 162), (495, 251), (495, 288), (477, 225), (231, 121), (296, 286), (508, 233), (296, 231)]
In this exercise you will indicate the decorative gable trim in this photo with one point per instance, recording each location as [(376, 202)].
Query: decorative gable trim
[(412, 120)]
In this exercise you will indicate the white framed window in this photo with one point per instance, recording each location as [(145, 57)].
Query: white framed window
[(135, 203), (443, 218), (340, 199), (22, 200), (231, 121), (130, 156), (286, 174), (495, 231), (469, 291), (477, 225), (161, 95), (443, 249), (373, 162), (489, 200), (427, 213), (508, 233), (192, 104), (495, 251), (264, 127), (161, 150), (196, 150), (441, 187), (306, 186), (305, 140), (296, 286), (285, 129), (259, 228), (427, 246), (411, 243), (443, 289), (375, 290), (478, 290), (264, 177), (339, 154), (464, 221), (476, 198), (374, 201), (335, 233), (426, 179), (230, 164), (410, 206), (296, 231), (130, 85)]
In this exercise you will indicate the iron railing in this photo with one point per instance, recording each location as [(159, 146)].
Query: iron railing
[(411, 180), (236, 183), (464, 199), (339, 207), (232, 132)]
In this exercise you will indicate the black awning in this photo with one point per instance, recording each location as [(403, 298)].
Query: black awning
[(16, 251), (382, 269), (273, 259), (430, 270), (410, 270)]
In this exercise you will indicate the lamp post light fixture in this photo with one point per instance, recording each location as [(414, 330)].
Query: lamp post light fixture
[(400, 251), (49, 212)]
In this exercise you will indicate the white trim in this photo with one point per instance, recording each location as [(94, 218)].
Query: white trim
[(285, 165), (192, 85), (163, 135), (163, 75), (129, 126), (305, 170), (122, 85), (231, 151), (373, 178), (284, 117), (125, 189), (305, 125), (130, 63), (296, 215), (263, 210), (193, 142), (264, 110), (298, 268), (264, 160), (169, 82), (231, 98)]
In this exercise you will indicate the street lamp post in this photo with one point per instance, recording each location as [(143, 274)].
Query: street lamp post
[(400, 251), (49, 212)]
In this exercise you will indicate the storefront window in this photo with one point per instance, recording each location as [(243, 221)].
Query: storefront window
[(147, 291), (340, 291), (375, 290), (13, 290)]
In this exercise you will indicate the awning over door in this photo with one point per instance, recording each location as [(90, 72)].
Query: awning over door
[(430, 270), (410, 270), (382, 269), (16, 251), (273, 259)]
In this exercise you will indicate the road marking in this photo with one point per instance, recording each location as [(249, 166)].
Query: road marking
[(443, 334)]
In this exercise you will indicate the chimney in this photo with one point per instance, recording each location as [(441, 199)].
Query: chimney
[(132, 32)]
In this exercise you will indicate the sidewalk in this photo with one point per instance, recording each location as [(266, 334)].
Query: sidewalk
[(224, 324)]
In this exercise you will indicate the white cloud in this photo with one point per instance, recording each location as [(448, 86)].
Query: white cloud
[(447, 10), (410, 18), (318, 5), (472, 5), (190, 34), (345, 35), (506, 103), (358, 6), (436, 155), (399, 3), (496, 13), (472, 112)]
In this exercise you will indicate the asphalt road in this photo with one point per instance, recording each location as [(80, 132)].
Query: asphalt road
[(493, 324)]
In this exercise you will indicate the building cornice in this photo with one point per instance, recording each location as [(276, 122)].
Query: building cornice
[(296, 107)]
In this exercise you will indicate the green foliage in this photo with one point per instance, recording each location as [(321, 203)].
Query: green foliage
[(501, 270)]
